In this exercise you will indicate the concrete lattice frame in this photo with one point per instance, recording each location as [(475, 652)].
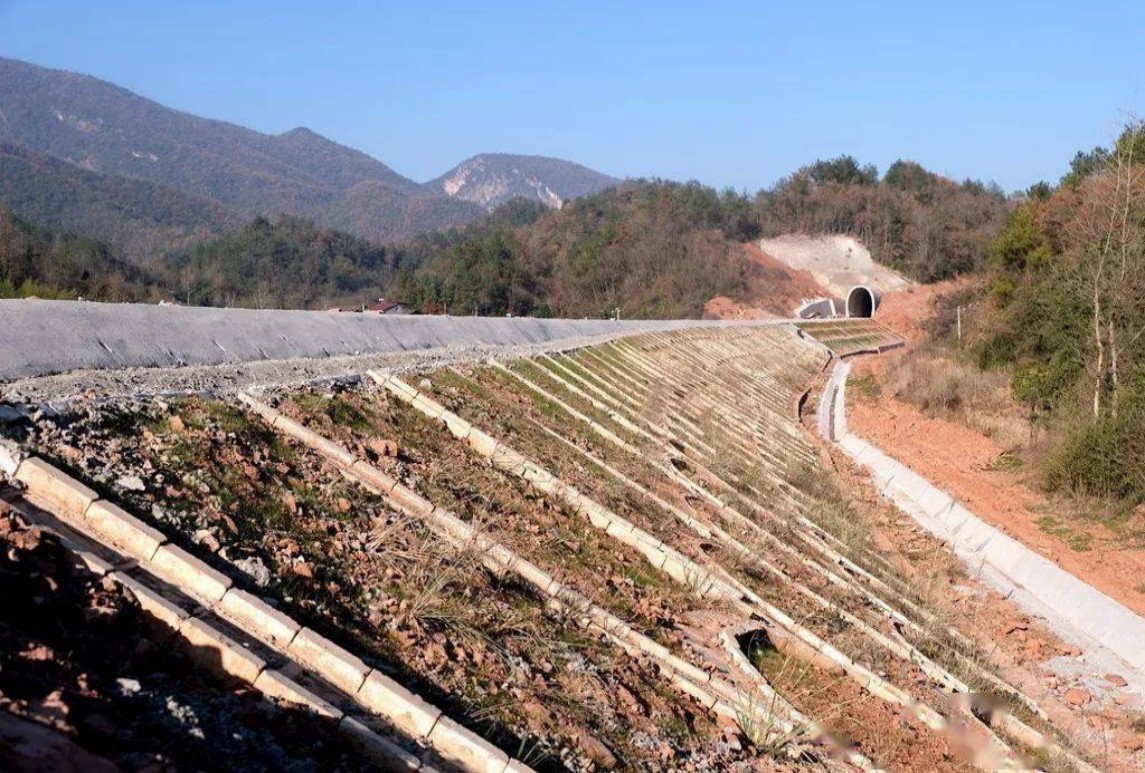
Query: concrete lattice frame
[(1017, 728), (80, 508), (787, 634)]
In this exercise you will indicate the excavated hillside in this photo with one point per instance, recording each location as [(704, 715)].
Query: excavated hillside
[(625, 555)]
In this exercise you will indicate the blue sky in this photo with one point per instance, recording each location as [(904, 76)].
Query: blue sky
[(728, 93)]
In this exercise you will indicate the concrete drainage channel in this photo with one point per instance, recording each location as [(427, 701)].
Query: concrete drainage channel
[(1076, 611), (341, 676)]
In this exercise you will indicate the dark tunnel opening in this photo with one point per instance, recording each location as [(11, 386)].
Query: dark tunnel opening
[(860, 302)]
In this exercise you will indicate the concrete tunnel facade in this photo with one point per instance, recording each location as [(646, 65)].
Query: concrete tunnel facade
[(862, 301)]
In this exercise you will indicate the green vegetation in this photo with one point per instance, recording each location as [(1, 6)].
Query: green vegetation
[(657, 248), (132, 148), (654, 249), (140, 219), (43, 263), (1064, 317), (170, 191), (924, 225), (290, 262)]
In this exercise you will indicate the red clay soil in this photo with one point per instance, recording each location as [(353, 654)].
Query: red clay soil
[(905, 311), (777, 292), (957, 458)]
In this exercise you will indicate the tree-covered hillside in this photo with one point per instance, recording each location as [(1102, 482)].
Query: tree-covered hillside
[(1065, 314), (657, 248), (653, 249), (287, 263), (45, 263), (141, 219), (922, 224), (643, 249), (133, 143)]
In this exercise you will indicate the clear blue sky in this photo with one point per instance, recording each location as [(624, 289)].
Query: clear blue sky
[(728, 93)]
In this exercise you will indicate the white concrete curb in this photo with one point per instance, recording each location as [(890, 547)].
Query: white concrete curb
[(1035, 583)]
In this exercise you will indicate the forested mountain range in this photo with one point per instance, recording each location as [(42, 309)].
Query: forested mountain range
[(41, 262), (213, 213), (105, 130), (141, 219), (650, 248)]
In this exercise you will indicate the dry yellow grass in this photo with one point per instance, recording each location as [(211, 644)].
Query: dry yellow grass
[(942, 385)]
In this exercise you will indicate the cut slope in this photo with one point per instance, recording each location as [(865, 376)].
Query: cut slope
[(836, 262), (777, 290)]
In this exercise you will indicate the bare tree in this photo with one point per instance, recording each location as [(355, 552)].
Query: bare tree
[(1109, 260)]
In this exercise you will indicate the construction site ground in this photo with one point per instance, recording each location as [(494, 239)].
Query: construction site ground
[(625, 555)]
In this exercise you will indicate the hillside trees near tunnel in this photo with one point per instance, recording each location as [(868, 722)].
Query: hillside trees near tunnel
[(655, 248), (647, 248), (924, 225), (1068, 295)]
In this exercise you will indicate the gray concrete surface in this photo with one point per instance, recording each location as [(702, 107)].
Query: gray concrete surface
[(41, 338)]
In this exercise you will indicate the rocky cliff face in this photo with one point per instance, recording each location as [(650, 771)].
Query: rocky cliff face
[(491, 179)]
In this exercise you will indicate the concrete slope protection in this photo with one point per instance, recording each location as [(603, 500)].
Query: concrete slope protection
[(1077, 611), (41, 338)]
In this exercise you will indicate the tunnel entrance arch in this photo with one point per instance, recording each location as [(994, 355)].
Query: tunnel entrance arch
[(862, 301)]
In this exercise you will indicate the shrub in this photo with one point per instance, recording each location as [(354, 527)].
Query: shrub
[(1103, 458)]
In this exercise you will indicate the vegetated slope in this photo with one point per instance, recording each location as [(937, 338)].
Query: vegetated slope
[(653, 249), (915, 221), (37, 261), (288, 263), (292, 262), (102, 127), (1065, 314), (492, 179), (140, 218), (375, 211)]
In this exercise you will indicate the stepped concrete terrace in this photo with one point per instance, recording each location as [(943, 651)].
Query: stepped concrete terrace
[(521, 544)]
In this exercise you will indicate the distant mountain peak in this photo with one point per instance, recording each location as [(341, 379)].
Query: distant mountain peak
[(491, 179), (206, 167), (302, 132)]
